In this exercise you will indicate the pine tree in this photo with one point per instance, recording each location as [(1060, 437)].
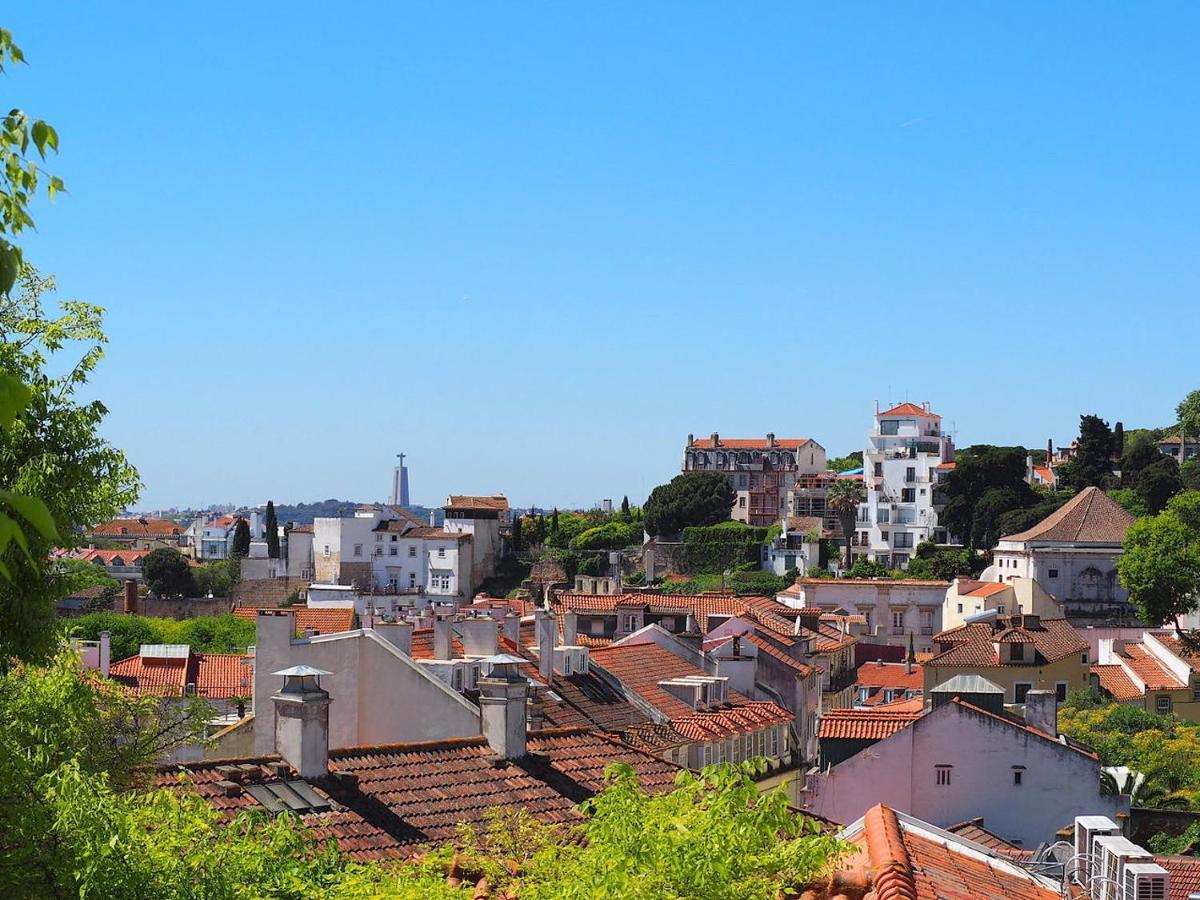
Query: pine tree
[(241, 538), (272, 526)]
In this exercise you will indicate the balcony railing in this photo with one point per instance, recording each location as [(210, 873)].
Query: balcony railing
[(926, 630)]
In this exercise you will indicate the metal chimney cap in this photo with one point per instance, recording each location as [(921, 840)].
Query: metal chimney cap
[(301, 671)]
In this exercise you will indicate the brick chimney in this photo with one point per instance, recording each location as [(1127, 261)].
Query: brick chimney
[(770, 439), (302, 721), (503, 696), (129, 605), (716, 439)]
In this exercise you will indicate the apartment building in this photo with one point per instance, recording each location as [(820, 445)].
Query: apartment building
[(905, 449), (772, 477)]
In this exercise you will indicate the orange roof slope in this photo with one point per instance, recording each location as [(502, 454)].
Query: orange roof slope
[(324, 621), (406, 796), (908, 409), (217, 676), (1116, 681), (139, 528), (864, 724), (1090, 517), (973, 643), (499, 503), (749, 443)]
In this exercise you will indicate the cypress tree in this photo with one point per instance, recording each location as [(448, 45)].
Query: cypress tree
[(625, 508), (516, 533), (554, 522), (241, 538), (272, 526), (1118, 441)]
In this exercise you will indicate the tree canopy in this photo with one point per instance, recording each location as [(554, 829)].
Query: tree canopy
[(272, 527), (241, 538), (167, 573), (1161, 564), (844, 497), (693, 498), (986, 483), (1093, 462)]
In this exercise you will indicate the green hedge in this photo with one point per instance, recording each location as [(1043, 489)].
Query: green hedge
[(715, 548)]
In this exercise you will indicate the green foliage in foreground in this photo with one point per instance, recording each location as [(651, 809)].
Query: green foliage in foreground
[(207, 634), (73, 823)]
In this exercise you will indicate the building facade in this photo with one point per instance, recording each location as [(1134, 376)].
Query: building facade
[(771, 477), (905, 449)]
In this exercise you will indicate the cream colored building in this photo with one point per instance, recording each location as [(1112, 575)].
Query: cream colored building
[(966, 599)]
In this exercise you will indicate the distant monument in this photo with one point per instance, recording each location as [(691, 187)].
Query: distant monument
[(400, 483)]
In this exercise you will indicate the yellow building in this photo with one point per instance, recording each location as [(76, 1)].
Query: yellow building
[(1157, 673), (1018, 653)]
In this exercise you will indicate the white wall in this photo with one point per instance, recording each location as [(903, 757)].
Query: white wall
[(379, 694), (920, 605), (1057, 783)]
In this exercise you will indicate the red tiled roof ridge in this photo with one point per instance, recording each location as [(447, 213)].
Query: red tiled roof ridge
[(892, 867), (908, 409)]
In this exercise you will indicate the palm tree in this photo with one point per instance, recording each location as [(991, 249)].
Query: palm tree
[(845, 494), (1144, 789)]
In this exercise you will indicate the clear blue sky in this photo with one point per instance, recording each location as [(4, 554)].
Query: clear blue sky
[(536, 245)]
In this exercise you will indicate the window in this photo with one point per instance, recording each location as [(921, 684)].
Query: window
[(943, 774), (878, 470), (628, 622), (456, 679), (910, 474), (960, 607), (597, 626), (1050, 573), (883, 535), (1020, 689), (882, 516), (378, 538), (412, 551), (441, 552), (1162, 703), (1060, 691), (863, 694), (741, 502), (889, 427), (1083, 658), (773, 742), (902, 539), (1016, 652), (1018, 775), (1000, 609), (898, 618), (412, 579), (394, 538), (392, 551), (358, 549), (326, 549), (908, 495), (378, 551)]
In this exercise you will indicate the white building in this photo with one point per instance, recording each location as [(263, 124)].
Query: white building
[(392, 551), (894, 609), (1072, 553), (900, 468), (960, 761)]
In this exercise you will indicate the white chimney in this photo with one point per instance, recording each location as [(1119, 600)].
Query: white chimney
[(398, 634), (443, 636), (1041, 711), (512, 627), (570, 628), (502, 706), (302, 721), (546, 629), (480, 636), (105, 652)]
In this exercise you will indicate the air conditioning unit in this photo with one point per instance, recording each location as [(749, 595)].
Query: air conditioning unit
[(1110, 855), (1145, 881), (1087, 829)]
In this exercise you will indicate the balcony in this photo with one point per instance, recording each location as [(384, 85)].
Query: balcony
[(926, 630), (897, 630)]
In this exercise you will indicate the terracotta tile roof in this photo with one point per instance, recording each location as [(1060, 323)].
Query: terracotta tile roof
[(837, 582), (217, 676), (1184, 872), (907, 863), (406, 796), (1115, 680), (1089, 517), (139, 528), (805, 524), (325, 621), (652, 737), (301, 529), (429, 533), (987, 589), (908, 409), (223, 522), (1045, 473), (499, 503), (915, 705), (775, 652), (864, 724), (972, 644), (973, 830), (640, 668), (1150, 670), (881, 677), (1176, 646), (946, 465), (748, 444), (128, 557)]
